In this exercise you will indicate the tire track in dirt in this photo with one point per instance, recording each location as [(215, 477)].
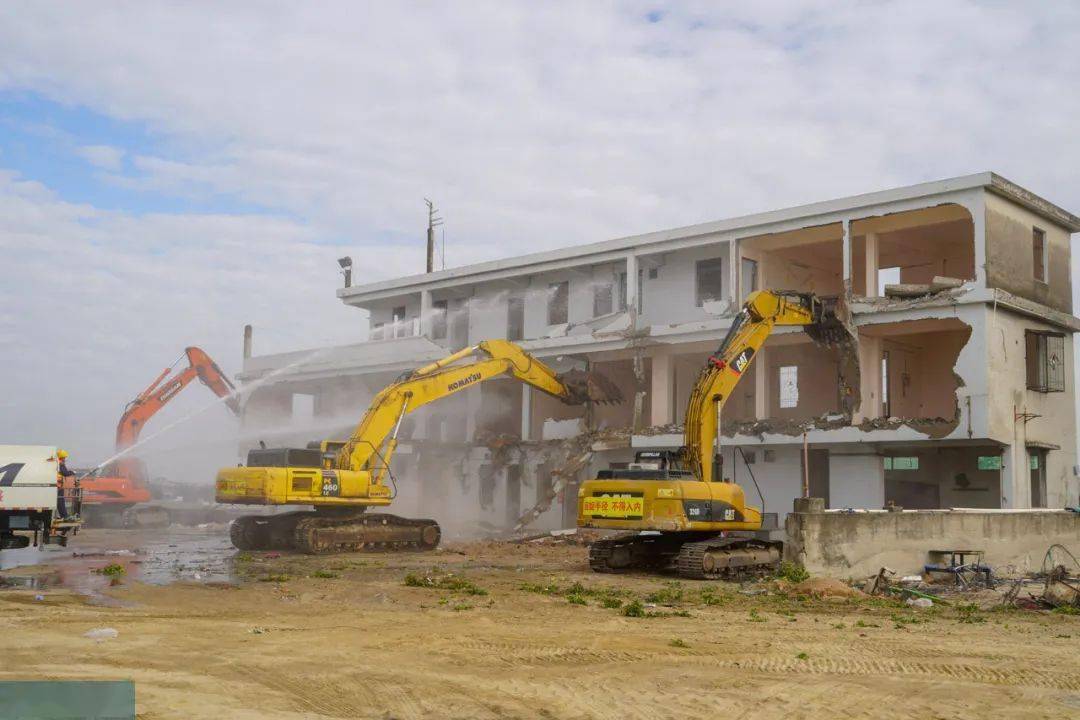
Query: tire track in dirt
[(919, 664), (953, 671)]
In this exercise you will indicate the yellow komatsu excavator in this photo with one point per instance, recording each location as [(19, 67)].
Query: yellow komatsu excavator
[(684, 515), (342, 479)]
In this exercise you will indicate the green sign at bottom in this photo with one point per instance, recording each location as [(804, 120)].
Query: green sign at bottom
[(67, 699)]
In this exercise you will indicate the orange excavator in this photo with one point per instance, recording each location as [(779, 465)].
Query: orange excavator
[(115, 494)]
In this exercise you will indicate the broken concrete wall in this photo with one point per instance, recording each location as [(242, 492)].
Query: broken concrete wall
[(857, 545), (802, 380), (616, 415), (915, 245), (808, 259), (1010, 261)]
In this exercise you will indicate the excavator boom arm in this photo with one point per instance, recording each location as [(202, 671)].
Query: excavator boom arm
[(450, 375), (762, 311), (165, 388)]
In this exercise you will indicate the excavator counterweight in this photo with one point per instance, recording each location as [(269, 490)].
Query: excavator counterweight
[(342, 479)]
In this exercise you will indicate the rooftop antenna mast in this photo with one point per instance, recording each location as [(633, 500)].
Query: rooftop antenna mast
[(433, 221)]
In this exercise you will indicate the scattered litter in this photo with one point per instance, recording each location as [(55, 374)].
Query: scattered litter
[(258, 630), (1060, 589), (101, 634), (920, 602), (879, 582), (911, 580), (272, 555), (39, 597), (909, 593)]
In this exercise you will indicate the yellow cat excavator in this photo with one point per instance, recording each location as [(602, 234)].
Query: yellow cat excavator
[(682, 512), (342, 479)]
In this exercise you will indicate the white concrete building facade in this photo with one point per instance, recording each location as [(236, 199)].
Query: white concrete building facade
[(958, 393)]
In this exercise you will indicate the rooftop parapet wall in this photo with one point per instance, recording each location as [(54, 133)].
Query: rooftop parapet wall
[(858, 544)]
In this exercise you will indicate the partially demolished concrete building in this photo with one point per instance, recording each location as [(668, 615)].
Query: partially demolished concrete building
[(957, 392)]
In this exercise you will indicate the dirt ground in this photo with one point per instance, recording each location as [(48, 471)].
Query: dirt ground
[(497, 630)]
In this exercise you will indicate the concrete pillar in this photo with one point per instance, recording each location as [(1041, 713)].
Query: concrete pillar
[(632, 284), (870, 407), (847, 255), (977, 207), (871, 267), (735, 291), (425, 313), (526, 412), (662, 390), (1016, 472), (761, 385)]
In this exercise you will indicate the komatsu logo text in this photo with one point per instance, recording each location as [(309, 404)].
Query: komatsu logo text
[(458, 384)]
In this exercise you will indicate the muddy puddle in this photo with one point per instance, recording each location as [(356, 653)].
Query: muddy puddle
[(96, 559)]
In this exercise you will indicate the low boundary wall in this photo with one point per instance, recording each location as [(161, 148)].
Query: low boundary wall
[(847, 544)]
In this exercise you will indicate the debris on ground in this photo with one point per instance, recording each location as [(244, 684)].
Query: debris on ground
[(569, 536), (825, 587), (1062, 581)]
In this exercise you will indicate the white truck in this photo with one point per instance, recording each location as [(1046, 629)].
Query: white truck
[(28, 495)]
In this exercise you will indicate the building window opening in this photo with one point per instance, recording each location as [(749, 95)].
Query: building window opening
[(624, 301), (789, 386), (558, 303), (1045, 361), (439, 310), (515, 318), (1037, 466), (487, 486), (749, 276), (397, 317), (710, 280), (1038, 253), (603, 300), (902, 463)]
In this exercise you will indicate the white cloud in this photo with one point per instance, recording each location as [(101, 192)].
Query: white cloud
[(102, 156), (98, 302), (532, 125)]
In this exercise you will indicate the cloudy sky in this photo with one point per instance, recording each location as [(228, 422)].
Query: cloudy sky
[(170, 172)]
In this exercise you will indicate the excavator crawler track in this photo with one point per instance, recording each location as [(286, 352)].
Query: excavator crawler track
[(626, 553), (727, 558), (697, 557), (315, 533)]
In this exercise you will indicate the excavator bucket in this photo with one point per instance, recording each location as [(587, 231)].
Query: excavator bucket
[(585, 387), (828, 329)]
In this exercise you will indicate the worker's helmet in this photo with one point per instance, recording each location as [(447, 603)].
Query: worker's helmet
[(62, 454)]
